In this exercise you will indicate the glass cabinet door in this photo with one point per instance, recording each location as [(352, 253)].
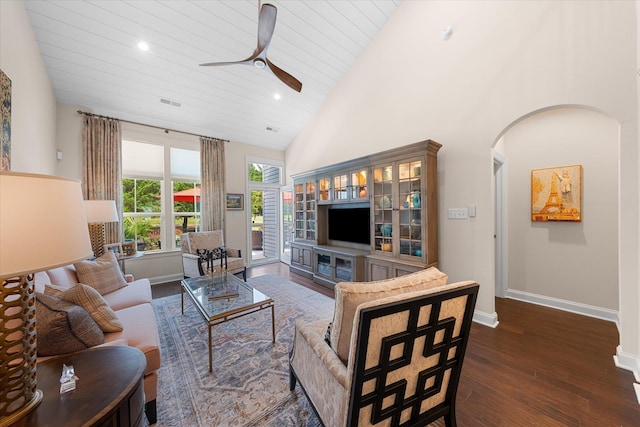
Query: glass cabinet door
[(324, 193), (359, 185), (323, 264), (344, 269), (310, 210), (299, 211), (340, 187), (410, 194), (383, 208)]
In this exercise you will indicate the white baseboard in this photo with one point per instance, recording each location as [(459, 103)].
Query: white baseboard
[(631, 363), (570, 306), (627, 361), (486, 319)]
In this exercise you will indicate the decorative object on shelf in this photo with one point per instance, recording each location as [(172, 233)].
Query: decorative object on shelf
[(129, 248), (61, 237), (235, 202), (98, 213), (418, 252), (556, 194), (387, 247), (415, 199), (386, 174), (415, 232), (385, 229), (116, 248), (385, 202)]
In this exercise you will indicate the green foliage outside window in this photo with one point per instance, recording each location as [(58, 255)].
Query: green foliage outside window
[(255, 175)]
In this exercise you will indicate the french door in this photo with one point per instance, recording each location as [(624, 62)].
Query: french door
[(264, 226)]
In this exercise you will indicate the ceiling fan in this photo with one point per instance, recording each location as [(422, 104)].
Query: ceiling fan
[(266, 25)]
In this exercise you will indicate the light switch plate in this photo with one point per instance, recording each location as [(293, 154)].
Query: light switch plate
[(458, 213)]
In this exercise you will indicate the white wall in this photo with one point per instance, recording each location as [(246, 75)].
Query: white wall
[(572, 261), (33, 104), (504, 61)]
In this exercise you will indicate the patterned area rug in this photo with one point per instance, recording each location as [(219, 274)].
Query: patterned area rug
[(249, 385)]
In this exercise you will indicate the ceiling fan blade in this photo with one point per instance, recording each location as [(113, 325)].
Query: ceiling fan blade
[(247, 61), (286, 78), (266, 25)]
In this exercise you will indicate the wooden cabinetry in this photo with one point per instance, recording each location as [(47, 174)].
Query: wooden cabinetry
[(398, 187), (344, 186), (302, 258), (405, 212), (305, 210), (333, 264)]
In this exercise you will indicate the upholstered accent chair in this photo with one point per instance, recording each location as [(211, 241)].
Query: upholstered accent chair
[(204, 252), (392, 355)]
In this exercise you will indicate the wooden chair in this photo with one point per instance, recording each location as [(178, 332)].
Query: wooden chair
[(202, 250), (404, 361)]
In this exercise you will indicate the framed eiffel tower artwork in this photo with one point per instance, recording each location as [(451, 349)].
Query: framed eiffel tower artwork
[(556, 194)]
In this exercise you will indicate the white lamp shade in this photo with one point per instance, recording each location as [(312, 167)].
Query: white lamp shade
[(42, 223), (101, 211)]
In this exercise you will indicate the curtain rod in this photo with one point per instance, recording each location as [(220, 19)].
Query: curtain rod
[(166, 130)]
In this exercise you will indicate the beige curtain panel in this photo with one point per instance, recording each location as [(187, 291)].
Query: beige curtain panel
[(102, 166), (213, 187)]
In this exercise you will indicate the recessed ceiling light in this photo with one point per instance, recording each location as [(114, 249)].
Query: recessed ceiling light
[(276, 96), (144, 46)]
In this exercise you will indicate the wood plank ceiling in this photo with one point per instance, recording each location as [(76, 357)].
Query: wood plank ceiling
[(91, 55)]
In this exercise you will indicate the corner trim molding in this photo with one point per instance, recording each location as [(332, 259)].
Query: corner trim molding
[(564, 305), (486, 319)]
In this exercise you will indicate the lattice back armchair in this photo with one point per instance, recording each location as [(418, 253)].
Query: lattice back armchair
[(406, 344), (204, 252)]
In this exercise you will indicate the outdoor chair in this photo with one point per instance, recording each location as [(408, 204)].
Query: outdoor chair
[(401, 366), (204, 253)]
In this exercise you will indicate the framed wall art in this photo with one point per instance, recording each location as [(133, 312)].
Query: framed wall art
[(5, 122), (235, 202), (556, 194), (116, 248)]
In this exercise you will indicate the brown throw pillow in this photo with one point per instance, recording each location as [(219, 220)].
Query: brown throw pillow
[(63, 327), (103, 274), (91, 300)]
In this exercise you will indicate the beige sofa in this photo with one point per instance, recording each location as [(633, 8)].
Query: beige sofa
[(132, 305)]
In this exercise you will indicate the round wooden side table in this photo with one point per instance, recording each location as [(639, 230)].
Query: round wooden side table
[(109, 391)]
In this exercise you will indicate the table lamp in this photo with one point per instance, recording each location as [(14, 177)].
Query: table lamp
[(42, 226), (98, 213)]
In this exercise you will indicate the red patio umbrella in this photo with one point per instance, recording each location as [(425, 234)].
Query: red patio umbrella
[(189, 195)]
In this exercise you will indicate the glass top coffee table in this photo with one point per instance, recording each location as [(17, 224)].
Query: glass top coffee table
[(223, 297)]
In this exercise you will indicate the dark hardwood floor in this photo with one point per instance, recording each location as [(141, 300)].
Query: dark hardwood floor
[(539, 367)]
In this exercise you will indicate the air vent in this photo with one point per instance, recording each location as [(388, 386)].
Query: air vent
[(170, 102), (272, 129)]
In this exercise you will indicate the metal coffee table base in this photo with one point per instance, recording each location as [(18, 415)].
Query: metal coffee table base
[(228, 316)]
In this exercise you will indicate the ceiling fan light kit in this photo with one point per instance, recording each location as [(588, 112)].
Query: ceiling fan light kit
[(266, 26)]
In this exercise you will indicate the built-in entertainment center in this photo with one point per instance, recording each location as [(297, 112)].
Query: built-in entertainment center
[(370, 218)]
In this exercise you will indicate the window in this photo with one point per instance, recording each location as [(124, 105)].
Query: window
[(149, 193), (185, 175)]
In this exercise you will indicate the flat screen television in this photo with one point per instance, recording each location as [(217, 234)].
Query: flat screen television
[(349, 225)]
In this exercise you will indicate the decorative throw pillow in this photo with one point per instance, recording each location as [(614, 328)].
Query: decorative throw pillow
[(103, 274), (63, 327), (348, 295), (91, 300)]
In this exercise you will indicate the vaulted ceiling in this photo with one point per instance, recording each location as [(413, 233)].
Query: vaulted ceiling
[(90, 50)]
